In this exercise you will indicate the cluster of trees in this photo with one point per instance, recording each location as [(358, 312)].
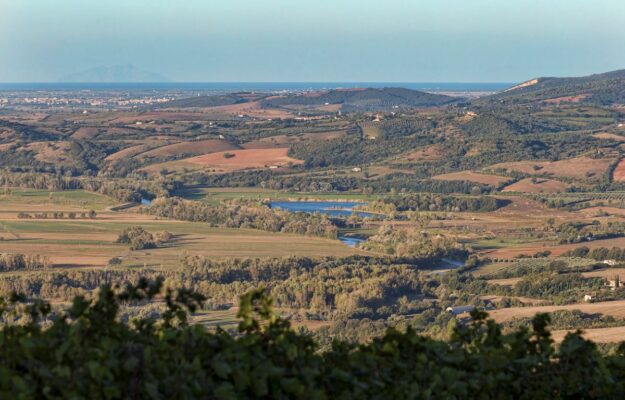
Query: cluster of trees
[(571, 319), (320, 289), (353, 150), (18, 262), (245, 214), (435, 202), (576, 232), (139, 239), (120, 189), (565, 288), (84, 158), (411, 242), (399, 127), (599, 253), (58, 215), (559, 288), (322, 182), (87, 351), (531, 266)]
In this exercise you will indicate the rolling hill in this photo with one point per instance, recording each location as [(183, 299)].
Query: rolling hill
[(205, 101), (361, 100), (603, 89)]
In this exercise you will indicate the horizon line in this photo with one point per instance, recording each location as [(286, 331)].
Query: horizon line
[(204, 82)]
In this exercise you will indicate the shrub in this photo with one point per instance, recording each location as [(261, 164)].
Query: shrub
[(137, 237)]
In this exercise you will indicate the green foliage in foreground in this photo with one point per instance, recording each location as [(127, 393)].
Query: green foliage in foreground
[(86, 352)]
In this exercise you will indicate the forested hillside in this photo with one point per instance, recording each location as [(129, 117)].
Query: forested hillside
[(361, 100), (603, 89)]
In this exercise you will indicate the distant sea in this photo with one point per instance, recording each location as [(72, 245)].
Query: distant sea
[(258, 86)]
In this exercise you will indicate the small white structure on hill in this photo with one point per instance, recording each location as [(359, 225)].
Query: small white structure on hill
[(459, 309)]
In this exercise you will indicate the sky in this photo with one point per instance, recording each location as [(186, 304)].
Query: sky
[(313, 40)]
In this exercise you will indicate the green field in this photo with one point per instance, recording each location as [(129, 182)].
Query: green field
[(92, 242), (80, 199)]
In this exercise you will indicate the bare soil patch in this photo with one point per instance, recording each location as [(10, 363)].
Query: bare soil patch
[(608, 273), (245, 159), (190, 148), (505, 282), (251, 109), (287, 140), (609, 136), (613, 308), (579, 168), (566, 99), (85, 133), (597, 335), (51, 152), (555, 250), (132, 151), (540, 186), (431, 153), (619, 172)]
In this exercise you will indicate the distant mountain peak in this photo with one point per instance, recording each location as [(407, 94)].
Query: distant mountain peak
[(114, 74)]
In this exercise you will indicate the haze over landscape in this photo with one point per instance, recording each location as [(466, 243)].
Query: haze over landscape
[(312, 200), (321, 41)]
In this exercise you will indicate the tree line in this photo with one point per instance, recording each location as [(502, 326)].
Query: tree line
[(244, 214)]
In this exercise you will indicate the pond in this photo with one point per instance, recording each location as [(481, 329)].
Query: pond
[(331, 208), (351, 241), (146, 202)]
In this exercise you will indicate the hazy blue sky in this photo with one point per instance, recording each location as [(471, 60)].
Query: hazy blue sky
[(314, 40)]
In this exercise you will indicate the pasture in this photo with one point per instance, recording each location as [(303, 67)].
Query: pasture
[(615, 309), (470, 176), (190, 148), (91, 242), (245, 159), (584, 168), (536, 185)]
